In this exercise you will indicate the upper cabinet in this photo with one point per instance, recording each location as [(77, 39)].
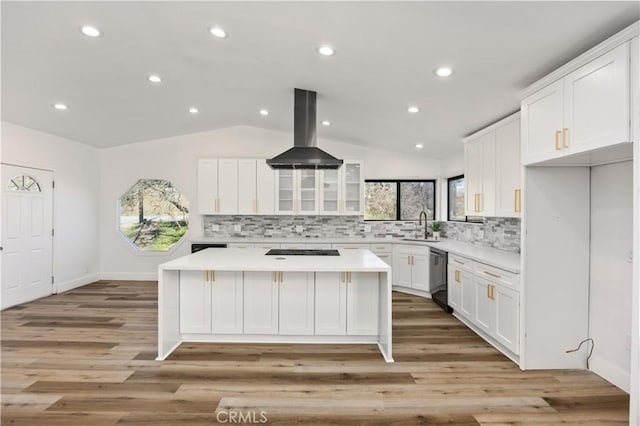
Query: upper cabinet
[(232, 186), (297, 191), (492, 170), (342, 190), (581, 112)]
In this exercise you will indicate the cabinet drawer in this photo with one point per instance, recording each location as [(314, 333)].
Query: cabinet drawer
[(318, 246), (351, 246), (267, 245), (381, 248), (460, 262), (240, 245), (496, 275)]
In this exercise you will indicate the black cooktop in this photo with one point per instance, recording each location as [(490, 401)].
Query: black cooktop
[(302, 252)]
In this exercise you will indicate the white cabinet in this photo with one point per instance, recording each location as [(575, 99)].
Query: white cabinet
[(207, 186), (265, 188), (227, 186), (384, 252), (362, 303), (210, 302), (507, 317), (195, 302), (247, 181), (585, 110), (468, 299), (353, 194), (461, 293), (454, 289), (260, 303), (297, 191), (331, 303), (296, 304), (226, 301), (411, 267), (330, 191), (485, 311), (479, 177), (508, 196)]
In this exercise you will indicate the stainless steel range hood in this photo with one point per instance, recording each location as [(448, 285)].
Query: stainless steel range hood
[(304, 154)]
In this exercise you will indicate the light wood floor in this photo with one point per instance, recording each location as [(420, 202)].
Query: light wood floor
[(86, 357)]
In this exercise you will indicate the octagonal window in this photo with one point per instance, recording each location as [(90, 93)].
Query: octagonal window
[(153, 215)]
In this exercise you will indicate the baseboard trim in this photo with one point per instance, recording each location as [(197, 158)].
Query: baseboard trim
[(78, 282), (411, 291), (130, 276), (610, 372)]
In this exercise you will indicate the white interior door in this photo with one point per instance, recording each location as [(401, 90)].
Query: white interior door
[(27, 223)]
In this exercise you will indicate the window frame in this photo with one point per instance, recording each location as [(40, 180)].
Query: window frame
[(397, 182), (466, 218)]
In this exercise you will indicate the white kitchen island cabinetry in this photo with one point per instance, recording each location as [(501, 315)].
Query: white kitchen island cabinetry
[(286, 299)]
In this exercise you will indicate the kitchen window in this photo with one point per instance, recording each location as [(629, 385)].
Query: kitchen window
[(455, 201), (153, 215), (399, 199)]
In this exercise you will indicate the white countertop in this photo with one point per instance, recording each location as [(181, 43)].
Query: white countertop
[(502, 259), (231, 259)]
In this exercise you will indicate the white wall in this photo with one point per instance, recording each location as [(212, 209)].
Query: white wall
[(75, 170), (611, 271), (175, 159)]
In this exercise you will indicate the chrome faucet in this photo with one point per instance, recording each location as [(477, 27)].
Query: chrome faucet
[(425, 223)]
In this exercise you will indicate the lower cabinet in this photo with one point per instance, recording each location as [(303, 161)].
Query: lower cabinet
[(347, 303), (260, 303), (211, 302), (296, 303), (411, 267), (490, 301)]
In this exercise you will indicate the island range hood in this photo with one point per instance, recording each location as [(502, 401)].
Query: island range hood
[(304, 154)]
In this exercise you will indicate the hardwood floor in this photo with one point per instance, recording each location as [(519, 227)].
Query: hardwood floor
[(86, 357)]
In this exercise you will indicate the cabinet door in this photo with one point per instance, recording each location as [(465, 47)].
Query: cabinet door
[(362, 303), (507, 318), (207, 185), (247, 199), (307, 199), (596, 106), (195, 302), (420, 272), (402, 267), (508, 170), (487, 197), (330, 182), (296, 303), (331, 304), (227, 186), (353, 191), (265, 188), (541, 119), (260, 303), (472, 177), (485, 312), (454, 288), (468, 296), (285, 191), (226, 301)]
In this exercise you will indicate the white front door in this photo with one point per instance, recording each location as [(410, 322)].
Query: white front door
[(27, 228)]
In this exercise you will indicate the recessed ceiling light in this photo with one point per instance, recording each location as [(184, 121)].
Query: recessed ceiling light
[(419, 145), (193, 110), (264, 112), (413, 109), (218, 32), (326, 123), (155, 78), (443, 72), (90, 31), (326, 50), (60, 106)]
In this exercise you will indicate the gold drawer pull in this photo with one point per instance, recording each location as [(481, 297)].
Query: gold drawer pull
[(558, 147), (457, 261), (565, 142), (491, 274)]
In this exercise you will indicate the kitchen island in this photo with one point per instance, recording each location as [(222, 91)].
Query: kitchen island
[(247, 296)]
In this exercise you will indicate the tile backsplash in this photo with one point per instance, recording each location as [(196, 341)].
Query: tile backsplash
[(501, 233)]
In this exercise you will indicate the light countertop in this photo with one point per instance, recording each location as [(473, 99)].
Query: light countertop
[(231, 259), (502, 259)]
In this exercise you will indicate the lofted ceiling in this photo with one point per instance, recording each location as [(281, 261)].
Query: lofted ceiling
[(385, 55)]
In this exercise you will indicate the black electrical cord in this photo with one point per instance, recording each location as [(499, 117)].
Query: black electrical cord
[(593, 345)]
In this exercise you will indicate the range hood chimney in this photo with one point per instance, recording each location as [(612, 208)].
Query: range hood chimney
[(304, 154)]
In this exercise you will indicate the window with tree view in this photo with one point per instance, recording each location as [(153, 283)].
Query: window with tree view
[(456, 199), (153, 215), (399, 199)]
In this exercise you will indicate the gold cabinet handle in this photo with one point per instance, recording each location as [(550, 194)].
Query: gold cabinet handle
[(488, 291), (519, 200), (457, 261), (206, 276), (493, 287), (565, 139), (515, 200), (213, 276), (492, 274), (281, 277), (558, 147), (408, 260), (349, 276), (274, 276)]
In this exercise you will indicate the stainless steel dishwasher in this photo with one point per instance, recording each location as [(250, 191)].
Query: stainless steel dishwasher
[(438, 278)]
